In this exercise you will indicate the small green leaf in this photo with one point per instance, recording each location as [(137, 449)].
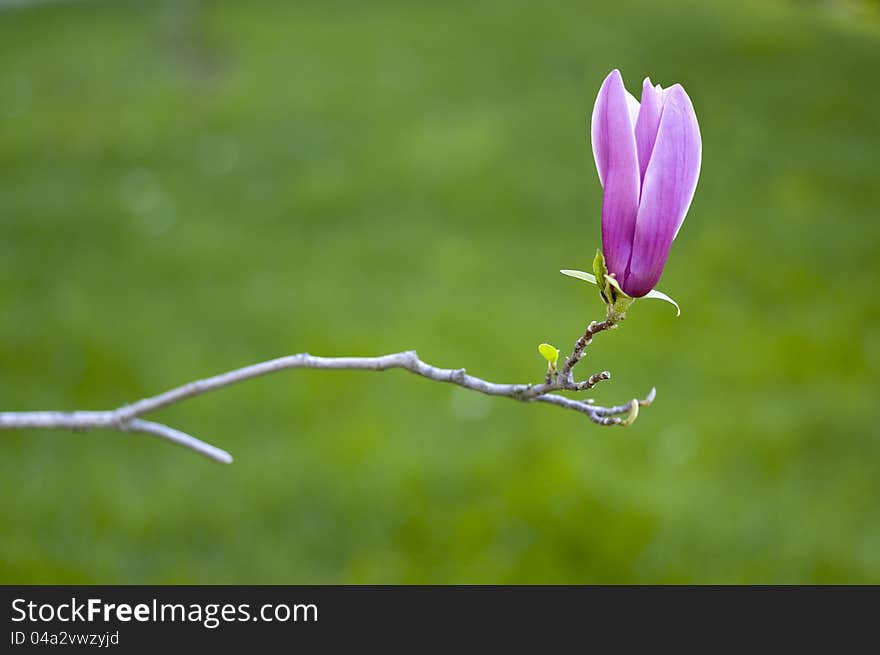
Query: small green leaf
[(659, 295), (613, 296), (599, 268), (550, 353), (589, 277), (580, 275)]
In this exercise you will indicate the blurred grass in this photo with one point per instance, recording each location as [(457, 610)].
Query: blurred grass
[(190, 187)]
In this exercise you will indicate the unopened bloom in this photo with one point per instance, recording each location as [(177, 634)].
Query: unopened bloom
[(648, 158)]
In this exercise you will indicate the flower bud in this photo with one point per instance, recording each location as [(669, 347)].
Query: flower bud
[(648, 157)]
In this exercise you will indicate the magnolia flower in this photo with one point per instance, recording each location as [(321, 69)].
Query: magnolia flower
[(648, 158)]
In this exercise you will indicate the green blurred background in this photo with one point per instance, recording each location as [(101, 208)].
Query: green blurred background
[(187, 187)]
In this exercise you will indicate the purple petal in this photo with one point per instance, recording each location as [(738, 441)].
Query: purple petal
[(647, 123), (670, 181), (614, 147), (633, 105)]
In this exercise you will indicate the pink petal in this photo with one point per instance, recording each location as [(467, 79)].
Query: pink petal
[(633, 105), (614, 147), (669, 185), (647, 123)]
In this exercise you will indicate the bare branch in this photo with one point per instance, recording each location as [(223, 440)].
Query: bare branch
[(126, 418), (81, 421), (178, 437), (581, 345)]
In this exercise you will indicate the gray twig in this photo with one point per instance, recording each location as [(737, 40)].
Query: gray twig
[(581, 345), (127, 418)]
